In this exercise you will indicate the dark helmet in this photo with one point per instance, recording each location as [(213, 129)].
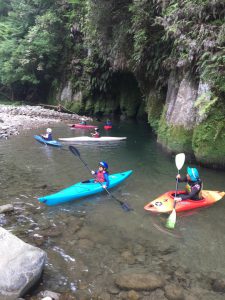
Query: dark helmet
[(103, 164), (193, 173)]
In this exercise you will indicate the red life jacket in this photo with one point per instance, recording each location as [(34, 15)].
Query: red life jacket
[(100, 176), (96, 135)]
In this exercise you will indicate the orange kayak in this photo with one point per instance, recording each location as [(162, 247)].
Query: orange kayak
[(164, 203)]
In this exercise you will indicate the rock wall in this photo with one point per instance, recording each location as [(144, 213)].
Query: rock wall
[(192, 121), (123, 98)]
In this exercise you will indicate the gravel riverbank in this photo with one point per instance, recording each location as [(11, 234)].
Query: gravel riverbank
[(14, 119)]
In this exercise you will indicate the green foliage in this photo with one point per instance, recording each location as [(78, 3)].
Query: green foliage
[(30, 45), (197, 30), (205, 104), (209, 137)]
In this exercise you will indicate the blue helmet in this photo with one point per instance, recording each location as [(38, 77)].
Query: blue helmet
[(103, 164), (193, 173)]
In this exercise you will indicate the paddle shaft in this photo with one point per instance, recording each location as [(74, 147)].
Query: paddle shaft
[(175, 202)]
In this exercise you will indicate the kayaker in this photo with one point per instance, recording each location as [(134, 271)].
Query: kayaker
[(193, 187), (108, 122), (48, 135), (102, 175), (96, 134), (83, 122)]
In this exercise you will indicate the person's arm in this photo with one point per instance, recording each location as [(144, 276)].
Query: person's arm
[(194, 191), (106, 176), (181, 179)]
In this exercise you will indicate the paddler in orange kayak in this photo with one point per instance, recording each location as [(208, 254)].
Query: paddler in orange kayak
[(193, 187)]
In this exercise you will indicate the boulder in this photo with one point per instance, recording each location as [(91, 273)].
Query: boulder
[(21, 266)]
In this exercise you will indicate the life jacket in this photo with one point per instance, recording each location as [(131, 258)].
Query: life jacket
[(96, 135), (100, 176), (190, 185), (49, 138)]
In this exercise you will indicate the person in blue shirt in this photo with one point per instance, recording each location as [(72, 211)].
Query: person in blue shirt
[(102, 175), (193, 187), (48, 135), (108, 122)]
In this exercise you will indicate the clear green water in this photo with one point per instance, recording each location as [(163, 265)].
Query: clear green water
[(86, 240)]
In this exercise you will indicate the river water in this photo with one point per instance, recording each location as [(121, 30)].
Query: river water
[(89, 241)]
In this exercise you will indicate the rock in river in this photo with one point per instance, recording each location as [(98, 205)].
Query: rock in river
[(20, 265)]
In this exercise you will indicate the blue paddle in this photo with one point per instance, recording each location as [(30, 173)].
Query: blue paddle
[(124, 205)]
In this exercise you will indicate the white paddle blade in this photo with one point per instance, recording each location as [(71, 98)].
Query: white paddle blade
[(179, 160), (171, 221)]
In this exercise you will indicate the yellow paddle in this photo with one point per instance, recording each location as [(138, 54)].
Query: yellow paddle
[(171, 221)]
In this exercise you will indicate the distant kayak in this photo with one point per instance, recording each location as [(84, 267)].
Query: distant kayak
[(164, 203), (50, 143), (108, 127), (93, 139), (82, 126), (83, 189)]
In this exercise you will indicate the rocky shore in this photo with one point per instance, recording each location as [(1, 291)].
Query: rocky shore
[(139, 272), (14, 119)]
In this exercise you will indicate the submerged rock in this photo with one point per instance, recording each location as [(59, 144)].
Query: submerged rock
[(20, 266), (6, 208), (141, 281)]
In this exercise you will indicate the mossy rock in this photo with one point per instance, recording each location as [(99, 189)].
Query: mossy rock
[(154, 107), (174, 138), (209, 139)]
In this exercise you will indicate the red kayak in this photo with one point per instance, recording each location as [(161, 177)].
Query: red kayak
[(82, 126), (164, 203), (108, 127)]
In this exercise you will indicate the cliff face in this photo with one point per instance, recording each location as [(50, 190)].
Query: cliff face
[(160, 58)]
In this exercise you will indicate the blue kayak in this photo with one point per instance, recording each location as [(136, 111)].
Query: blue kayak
[(83, 189), (50, 143)]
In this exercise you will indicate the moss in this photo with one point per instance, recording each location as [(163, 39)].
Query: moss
[(154, 107), (209, 138), (76, 107), (129, 105), (174, 138)]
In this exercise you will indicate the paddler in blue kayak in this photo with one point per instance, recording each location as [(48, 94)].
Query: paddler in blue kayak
[(48, 135), (193, 187), (102, 175), (108, 122)]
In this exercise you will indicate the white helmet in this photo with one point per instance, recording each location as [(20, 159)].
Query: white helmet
[(82, 119), (49, 130)]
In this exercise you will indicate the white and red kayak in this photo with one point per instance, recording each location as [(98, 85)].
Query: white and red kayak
[(92, 139), (82, 126)]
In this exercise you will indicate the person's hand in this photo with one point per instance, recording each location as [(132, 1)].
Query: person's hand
[(178, 176), (104, 186), (177, 199), (93, 172)]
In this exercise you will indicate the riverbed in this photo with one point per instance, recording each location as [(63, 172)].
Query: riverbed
[(91, 241)]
